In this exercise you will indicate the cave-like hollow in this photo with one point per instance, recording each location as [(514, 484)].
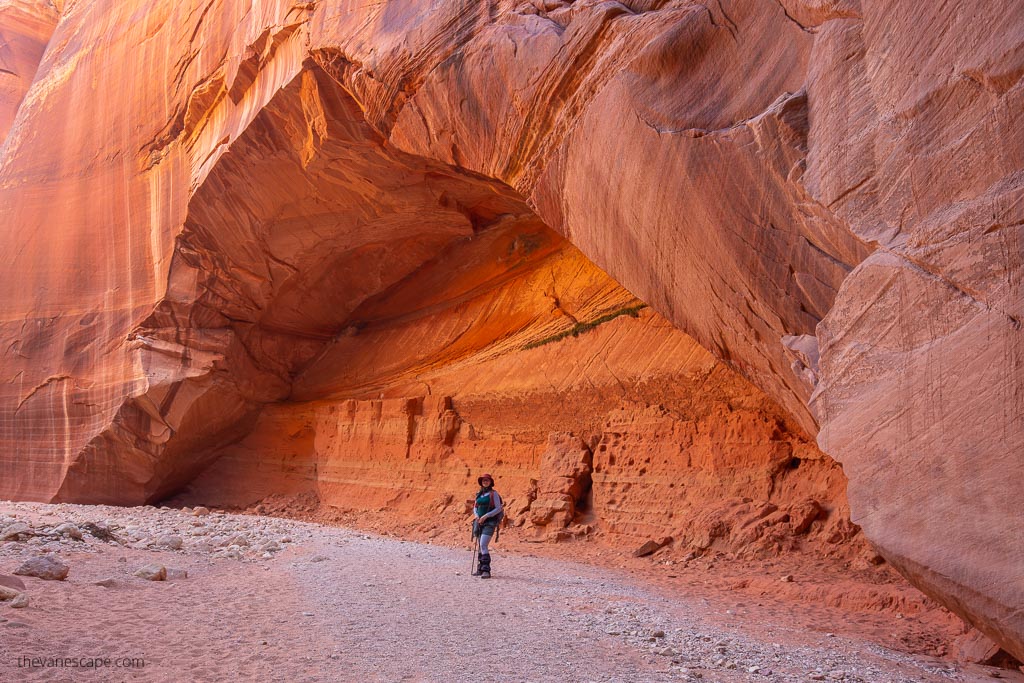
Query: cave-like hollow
[(366, 330)]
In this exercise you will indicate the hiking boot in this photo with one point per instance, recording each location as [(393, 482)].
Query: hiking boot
[(485, 566), (480, 564)]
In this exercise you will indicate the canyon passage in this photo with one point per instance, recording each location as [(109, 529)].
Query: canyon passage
[(736, 283)]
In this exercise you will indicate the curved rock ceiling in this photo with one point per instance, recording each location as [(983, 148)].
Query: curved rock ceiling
[(209, 207)]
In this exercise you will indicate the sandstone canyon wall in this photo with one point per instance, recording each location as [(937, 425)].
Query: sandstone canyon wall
[(294, 234)]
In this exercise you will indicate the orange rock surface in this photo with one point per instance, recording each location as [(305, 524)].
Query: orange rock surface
[(25, 29), (328, 247)]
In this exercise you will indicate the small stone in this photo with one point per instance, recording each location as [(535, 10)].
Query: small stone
[(109, 582), (200, 511), (658, 634), (12, 582), (99, 531), (44, 567), (176, 574), (152, 572), (307, 614), (169, 541), (817, 676), (667, 652), (753, 669), (651, 546), (318, 558), (788, 578), (8, 593), (20, 601), (69, 530), (15, 532)]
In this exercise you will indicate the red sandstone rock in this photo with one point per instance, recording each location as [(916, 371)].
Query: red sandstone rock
[(324, 203), (25, 30), (564, 477)]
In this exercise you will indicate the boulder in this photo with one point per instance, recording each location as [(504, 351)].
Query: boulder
[(18, 531), (12, 582), (152, 572), (46, 567), (652, 546)]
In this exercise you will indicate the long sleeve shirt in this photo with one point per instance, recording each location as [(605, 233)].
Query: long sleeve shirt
[(496, 501)]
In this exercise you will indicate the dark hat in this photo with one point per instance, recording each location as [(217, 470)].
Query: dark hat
[(480, 479)]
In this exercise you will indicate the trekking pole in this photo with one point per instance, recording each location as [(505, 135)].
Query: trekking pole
[(475, 540)]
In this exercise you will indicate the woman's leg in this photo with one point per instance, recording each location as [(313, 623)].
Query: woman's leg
[(485, 556)]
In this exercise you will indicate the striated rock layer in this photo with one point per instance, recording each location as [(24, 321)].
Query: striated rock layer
[(666, 441), (301, 207)]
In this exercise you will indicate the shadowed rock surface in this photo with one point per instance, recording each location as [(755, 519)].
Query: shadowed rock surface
[(307, 246)]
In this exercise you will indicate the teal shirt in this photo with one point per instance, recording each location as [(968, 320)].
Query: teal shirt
[(488, 502)]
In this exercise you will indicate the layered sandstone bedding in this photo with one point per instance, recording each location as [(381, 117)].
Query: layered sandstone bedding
[(739, 278)]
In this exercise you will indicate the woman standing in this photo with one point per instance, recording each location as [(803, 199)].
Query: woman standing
[(487, 514)]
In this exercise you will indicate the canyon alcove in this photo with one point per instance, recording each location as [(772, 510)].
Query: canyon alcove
[(758, 263)]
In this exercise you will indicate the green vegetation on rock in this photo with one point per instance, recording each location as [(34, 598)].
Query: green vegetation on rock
[(579, 328)]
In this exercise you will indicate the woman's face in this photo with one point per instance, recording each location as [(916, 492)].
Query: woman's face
[(485, 482)]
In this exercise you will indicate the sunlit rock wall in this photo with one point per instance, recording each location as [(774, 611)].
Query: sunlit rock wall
[(209, 207)]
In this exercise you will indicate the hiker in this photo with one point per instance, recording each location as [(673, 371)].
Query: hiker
[(487, 514)]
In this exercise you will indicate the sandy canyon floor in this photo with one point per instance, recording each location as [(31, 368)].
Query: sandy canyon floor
[(271, 599)]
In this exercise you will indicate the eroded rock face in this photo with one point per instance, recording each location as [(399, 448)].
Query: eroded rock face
[(565, 469), (25, 29), (665, 441), (303, 206)]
